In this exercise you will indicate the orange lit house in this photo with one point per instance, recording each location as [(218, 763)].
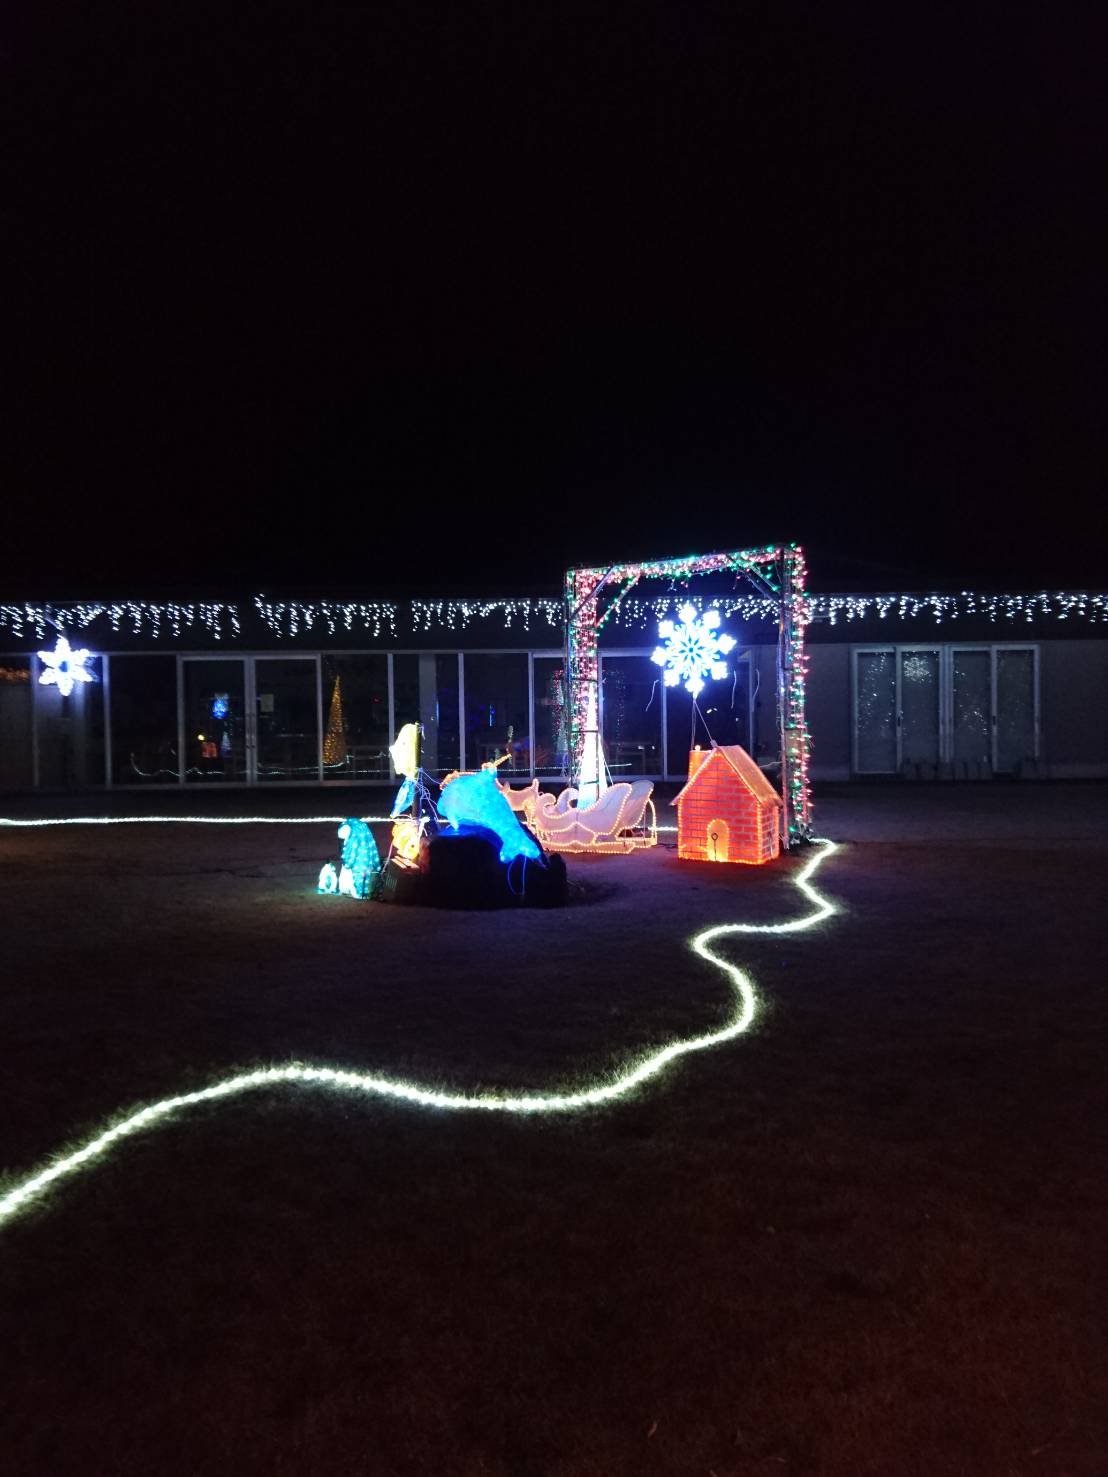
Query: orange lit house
[(728, 811)]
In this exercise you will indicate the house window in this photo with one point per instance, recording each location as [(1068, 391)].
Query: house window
[(355, 717), (631, 715), (496, 711)]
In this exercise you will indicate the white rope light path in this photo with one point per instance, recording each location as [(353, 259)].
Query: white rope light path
[(206, 820), (608, 1090)]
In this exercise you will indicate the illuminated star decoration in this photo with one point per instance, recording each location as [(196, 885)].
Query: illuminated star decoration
[(64, 666), (693, 649)]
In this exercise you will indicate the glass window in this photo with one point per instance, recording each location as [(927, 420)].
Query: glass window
[(631, 695), (16, 772), (551, 728), (425, 690), (144, 720), (288, 718), (356, 734), (724, 715), (496, 712)]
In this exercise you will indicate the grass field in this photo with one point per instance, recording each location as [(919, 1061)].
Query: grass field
[(867, 1237)]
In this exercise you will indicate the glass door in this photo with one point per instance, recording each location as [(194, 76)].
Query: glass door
[(971, 705), (875, 711), (897, 709), (214, 741), (1015, 721), (245, 720), (994, 709), (284, 741), (918, 706)]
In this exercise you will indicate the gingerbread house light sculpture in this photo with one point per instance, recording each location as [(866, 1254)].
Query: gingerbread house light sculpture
[(727, 811)]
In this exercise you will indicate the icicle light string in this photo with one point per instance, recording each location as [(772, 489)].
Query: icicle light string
[(608, 1090), (376, 618)]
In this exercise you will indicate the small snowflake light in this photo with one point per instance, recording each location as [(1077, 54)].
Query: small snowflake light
[(64, 666), (693, 649)]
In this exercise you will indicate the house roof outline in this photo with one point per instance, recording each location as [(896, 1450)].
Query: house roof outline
[(736, 757)]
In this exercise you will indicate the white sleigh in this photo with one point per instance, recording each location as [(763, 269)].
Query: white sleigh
[(616, 822)]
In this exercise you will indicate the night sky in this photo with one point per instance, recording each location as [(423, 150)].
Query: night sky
[(432, 299)]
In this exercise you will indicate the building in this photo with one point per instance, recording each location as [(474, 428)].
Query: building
[(728, 811), (259, 692)]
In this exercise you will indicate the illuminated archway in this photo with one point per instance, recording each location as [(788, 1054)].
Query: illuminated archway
[(777, 570)]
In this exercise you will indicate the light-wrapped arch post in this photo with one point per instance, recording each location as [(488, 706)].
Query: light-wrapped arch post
[(778, 570)]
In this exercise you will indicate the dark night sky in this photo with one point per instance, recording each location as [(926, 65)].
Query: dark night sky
[(431, 298)]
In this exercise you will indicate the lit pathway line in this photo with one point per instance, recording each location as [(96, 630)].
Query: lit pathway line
[(605, 1091)]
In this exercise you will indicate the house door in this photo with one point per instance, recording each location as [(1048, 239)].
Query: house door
[(897, 708), (918, 708), (718, 841), (875, 708), (1015, 708), (245, 720), (213, 720), (971, 708)]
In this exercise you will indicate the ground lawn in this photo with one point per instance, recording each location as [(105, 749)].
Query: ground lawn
[(865, 1238)]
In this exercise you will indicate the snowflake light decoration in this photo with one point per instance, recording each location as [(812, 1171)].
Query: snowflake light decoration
[(693, 649), (64, 666)]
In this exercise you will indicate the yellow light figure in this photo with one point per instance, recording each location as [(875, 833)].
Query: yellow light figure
[(405, 841), (405, 751)]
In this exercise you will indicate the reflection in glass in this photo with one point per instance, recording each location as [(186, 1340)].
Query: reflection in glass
[(919, 703), (724, 716), (215, 721), (631, 695), (144, 720), (356, 734), (496, 712), (425, 690), (551, 728), (971, 705), (875, 712), (288, 719)]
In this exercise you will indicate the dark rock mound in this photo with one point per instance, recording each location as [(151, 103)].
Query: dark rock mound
[(462, 869)]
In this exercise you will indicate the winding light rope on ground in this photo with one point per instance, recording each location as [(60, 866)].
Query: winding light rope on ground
[(608, 1090)]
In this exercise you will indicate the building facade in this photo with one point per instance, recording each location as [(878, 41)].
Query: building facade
[(268, 693)]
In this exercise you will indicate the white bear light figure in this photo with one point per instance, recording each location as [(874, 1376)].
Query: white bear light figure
[(694, 649)]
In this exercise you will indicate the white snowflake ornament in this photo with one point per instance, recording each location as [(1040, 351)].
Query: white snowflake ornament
[(64, 666), (693, 649)]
